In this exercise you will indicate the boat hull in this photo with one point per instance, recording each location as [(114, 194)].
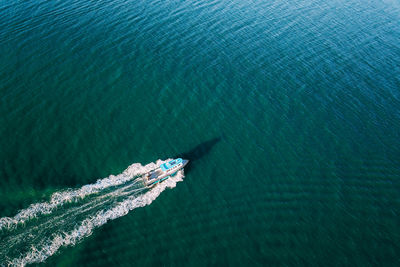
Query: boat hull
[(158, 175)]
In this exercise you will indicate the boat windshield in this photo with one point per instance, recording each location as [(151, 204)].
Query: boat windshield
[(171, 164)]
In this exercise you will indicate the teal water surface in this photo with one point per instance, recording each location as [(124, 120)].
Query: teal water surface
[(288, 110)]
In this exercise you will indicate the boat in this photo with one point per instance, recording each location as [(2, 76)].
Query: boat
[(164, 171)]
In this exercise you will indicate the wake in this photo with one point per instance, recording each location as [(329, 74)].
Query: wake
[(39, 231)]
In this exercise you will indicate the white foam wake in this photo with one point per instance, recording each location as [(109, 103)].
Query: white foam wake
[(72, 195), (68, 225), (40, 254)]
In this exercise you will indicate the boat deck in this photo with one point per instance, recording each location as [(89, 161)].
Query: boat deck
[(153, 177), (155, 174)]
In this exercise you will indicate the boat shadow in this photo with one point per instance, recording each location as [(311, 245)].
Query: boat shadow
[(198, 152)]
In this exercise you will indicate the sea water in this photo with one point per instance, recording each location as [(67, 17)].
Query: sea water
[(289, 112)]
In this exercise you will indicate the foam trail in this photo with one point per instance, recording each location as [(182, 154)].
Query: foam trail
[(85, 229), (44, 236), (57, 199)]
